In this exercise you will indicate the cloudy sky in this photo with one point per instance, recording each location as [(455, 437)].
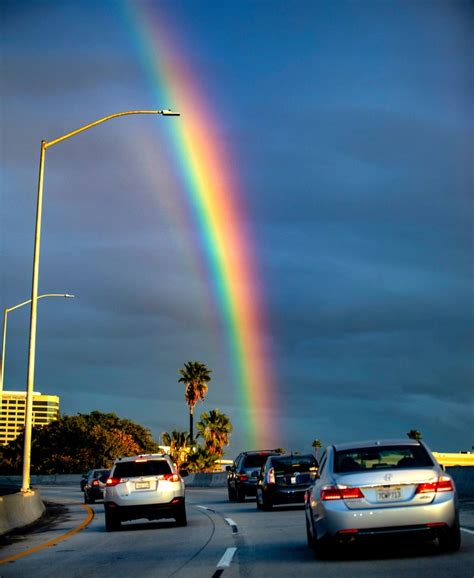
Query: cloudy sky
[(348, 128)]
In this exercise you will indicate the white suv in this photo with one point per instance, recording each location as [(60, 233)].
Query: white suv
[(146, 486)]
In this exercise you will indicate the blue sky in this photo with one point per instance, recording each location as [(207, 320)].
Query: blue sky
[(350, 126)]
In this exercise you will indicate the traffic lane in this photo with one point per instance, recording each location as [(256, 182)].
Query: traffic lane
[(157, 548), (275, 542)]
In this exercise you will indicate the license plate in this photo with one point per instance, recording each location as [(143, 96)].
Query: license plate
[(142, 485), (389, 494), (293, 480)]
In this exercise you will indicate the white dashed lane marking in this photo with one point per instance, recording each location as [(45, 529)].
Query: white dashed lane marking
[(226, 559)]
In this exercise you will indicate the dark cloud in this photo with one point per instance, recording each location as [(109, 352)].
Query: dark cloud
[(349, 129)]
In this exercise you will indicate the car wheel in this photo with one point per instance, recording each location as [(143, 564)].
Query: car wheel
[(309, 538), (266, 502), (180, 517), (86, 498), (258, 499), (231, 493), (450, 538), (112, 523), (240, 495)]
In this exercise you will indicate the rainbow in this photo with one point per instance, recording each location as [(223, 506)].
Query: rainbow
[(212, 192)]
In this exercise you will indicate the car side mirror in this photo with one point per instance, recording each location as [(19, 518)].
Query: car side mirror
[(183, 473), (228, 468)]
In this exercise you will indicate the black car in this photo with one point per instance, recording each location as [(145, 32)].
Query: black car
[(94, 487), (284, 479), (242, 474)]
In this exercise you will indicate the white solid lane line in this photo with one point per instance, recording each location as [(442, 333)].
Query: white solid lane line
[(226, 559), (468, 531)]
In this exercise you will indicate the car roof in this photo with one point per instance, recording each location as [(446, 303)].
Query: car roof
[(260, 452), (294, 455), (375, 443), (142, 457)]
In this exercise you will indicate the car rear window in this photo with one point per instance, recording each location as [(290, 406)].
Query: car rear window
[(289, 464), (255, 460), (381, 457), (141, 468)]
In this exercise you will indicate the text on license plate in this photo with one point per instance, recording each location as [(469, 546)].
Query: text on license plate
[(388, 494), (142, 485)]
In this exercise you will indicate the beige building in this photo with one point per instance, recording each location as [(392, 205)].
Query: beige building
[(12, 417)]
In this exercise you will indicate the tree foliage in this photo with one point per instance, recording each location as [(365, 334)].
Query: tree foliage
[(215, 429), (180, 446), (414, 434), (74, 444), (195, 375)]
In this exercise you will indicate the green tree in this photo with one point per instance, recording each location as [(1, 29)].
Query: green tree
[(202, 460), (195, 375), (316, 445), (180, 446), (215, 428), (74, 444), (414, 434)]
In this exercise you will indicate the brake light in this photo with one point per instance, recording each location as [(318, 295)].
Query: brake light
[(171, 477), (444, 484), (271, 476), (113, 482), (243, 477), (95, 483), (335, 493)]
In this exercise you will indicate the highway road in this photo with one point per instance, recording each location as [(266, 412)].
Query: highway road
[(222, 539)]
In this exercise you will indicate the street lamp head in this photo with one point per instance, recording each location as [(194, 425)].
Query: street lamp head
[(167, 112)]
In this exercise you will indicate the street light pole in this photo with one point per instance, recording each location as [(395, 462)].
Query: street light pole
[(34, 290), (4, 340)]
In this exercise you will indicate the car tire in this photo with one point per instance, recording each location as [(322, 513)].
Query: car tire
[(112, 523), (240, 495), (231, 493), (86, 498), (309, 537), (258, 499), (450, 538), (323, 548), (266, 503), (180, 517)]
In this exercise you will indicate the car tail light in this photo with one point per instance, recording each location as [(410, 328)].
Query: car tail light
[(95, 482), (113, 482), (335, 493), (443, 484), (271, 476), (171, 477), (243, 477)]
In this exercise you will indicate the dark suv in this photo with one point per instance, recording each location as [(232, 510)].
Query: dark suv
[(242, 474), (284, 479)]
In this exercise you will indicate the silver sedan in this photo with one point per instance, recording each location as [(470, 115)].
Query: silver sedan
[(380, 489)]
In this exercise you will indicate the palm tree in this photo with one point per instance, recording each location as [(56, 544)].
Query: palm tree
[(215, 428), (180, 446), (414, 434), (196, 376), (316, 445)]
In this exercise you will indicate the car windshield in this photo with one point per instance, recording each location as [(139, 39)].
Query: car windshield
[(141, 468), (100, 473), (289, 464), (381, 457)]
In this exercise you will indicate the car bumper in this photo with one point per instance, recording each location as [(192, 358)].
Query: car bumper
[(148, 511), (289, 495), (335, 518)]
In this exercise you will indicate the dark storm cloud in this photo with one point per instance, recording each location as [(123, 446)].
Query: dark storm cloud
[(349, 129)]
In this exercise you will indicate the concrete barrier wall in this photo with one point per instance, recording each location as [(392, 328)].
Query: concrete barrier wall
[(18, 510)]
